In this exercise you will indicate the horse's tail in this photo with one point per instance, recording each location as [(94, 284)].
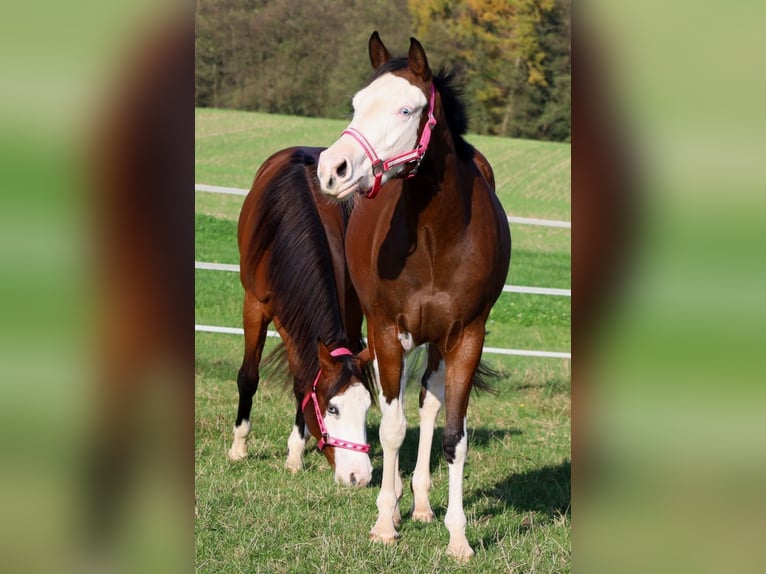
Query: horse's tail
[(485, 377), (276, 366)]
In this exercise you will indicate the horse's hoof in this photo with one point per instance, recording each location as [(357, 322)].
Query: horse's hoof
[(423, 515), (388, 539), (461, 553), (235, 455), (293, 467)]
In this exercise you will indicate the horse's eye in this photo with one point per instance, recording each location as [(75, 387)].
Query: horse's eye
[(332, 410), (405, 111)]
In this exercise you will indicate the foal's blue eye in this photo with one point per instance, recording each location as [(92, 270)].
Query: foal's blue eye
[(405, 111), (332, 410)]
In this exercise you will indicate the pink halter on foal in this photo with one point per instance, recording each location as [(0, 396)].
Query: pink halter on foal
[(326, 438), (379, 167)]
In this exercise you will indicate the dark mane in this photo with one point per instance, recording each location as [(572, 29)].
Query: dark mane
[(451, 94), (457, 118), (300, 270), (350, 369)]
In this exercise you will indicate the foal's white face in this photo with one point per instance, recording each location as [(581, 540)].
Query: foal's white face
[(346, 418), (387, 112)]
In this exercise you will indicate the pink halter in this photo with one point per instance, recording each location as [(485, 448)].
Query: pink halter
[(379, 167), (326, 439)]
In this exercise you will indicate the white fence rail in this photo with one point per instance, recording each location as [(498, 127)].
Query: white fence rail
[(490, 350), (507, 289)]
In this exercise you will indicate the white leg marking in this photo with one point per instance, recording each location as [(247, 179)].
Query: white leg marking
[(455, 518), (393, 428), (295, 446), (238, 449), (421, 478)]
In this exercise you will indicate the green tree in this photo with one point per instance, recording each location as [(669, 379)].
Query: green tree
[(308, 57), (513, 56), (303, 57)]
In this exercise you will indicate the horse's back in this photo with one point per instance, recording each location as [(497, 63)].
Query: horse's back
[(273, 167), (295, 166), (254, 227)]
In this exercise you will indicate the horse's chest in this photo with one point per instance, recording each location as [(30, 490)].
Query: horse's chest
[(431, 292), (423, 278)]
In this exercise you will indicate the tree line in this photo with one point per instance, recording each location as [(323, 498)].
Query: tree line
[(308, 57)]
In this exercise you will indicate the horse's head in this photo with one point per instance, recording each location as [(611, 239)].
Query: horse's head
[(389, 132), (337, 417)]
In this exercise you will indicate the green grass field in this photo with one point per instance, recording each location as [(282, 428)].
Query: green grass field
[(254, 516)]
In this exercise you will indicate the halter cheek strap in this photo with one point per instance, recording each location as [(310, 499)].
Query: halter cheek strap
[(326, 439), (415, 156)]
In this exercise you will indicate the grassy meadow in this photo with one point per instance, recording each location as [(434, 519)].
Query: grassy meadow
[(254, 516)]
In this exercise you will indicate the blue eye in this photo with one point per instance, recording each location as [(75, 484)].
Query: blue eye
[(332, 410), (405, 111)]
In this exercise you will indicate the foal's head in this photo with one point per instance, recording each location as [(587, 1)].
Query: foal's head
[(389, 122), (338, 416)]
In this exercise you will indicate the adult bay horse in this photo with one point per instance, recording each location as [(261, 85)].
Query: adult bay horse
[(293, 271), (428, 252)]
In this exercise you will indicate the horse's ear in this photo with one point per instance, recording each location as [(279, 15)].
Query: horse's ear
[(418, 61), (326, 360), (379, 54)]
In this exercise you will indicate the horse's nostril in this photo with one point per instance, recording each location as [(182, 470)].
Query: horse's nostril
[(341, 171), (352, 479)]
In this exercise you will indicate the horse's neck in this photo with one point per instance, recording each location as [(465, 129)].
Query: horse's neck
[(439, 182)]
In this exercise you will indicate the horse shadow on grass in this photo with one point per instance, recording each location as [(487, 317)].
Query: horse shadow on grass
[(545, 490), (542, 495)]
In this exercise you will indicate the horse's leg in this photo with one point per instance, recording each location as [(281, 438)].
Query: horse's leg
[(431, 399), (256, 323), (461, 364), (393, 427), (297, 442)]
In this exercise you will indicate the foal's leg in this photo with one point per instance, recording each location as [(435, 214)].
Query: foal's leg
[(297, 443), (431, 399), (393, 427), (256, 323), (461, 364)]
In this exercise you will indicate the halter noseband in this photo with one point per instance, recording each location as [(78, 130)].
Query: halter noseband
[(326, 439), (415, 156)]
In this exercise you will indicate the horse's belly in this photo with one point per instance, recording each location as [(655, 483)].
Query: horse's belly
[(429, 317)]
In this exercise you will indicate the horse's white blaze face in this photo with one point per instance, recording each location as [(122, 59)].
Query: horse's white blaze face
[(346, 419), (387, 113)]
